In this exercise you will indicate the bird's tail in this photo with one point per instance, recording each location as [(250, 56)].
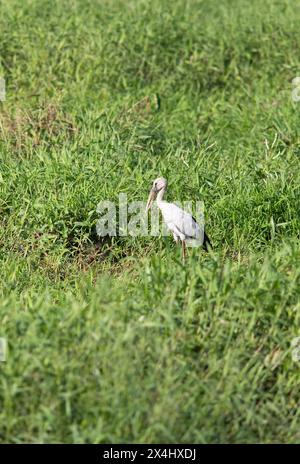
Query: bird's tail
[(206, 242)]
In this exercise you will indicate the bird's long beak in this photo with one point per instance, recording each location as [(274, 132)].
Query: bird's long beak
[(151, 198)]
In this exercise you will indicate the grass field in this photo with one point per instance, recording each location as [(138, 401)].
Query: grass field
[(116, 340)]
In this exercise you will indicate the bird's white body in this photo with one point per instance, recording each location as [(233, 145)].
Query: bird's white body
[(182, 224)]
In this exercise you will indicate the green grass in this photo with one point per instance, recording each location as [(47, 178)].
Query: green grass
[(117, 341)]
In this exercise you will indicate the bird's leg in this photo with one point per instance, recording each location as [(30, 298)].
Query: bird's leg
[(183, 250)]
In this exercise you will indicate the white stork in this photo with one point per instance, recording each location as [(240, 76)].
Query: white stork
[(182, 224)]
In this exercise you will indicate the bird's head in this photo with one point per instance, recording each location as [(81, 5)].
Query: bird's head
[(159, 184)]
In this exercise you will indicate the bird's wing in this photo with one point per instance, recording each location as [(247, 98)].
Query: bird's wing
[(183, 221)]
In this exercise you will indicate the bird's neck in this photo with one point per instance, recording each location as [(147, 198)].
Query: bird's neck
[(159, 197)]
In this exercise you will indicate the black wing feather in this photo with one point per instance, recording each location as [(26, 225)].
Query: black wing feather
[(206, 241)]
